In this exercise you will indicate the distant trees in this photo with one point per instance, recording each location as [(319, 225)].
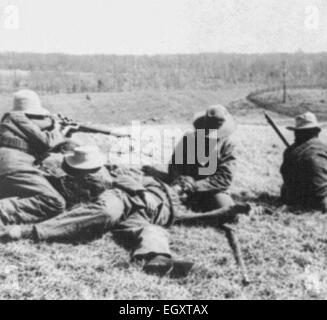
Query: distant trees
[(67, 73)]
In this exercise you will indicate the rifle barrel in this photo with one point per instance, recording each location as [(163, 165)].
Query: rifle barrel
[(91, 129), (88, 129), (273, 125)]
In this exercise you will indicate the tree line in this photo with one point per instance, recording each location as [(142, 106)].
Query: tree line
[(58, 73)]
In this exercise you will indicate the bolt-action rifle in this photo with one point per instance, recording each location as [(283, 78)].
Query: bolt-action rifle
[(80, 127), (222, 216), (276, 129)]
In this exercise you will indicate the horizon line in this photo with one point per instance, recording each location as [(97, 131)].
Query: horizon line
[(166, 54)]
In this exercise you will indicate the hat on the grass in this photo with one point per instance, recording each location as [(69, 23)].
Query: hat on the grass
[(305, 121), (85, 158), (28, 102), (218, 119)]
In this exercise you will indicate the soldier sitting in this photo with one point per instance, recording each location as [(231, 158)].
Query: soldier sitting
[(205, 159), (304, 168), (136, 211)]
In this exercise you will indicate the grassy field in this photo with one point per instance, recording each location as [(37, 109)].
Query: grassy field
[(297, 101), (285, 252), (147, 106)]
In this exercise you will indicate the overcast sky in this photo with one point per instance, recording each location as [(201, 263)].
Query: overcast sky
[(163, 26)]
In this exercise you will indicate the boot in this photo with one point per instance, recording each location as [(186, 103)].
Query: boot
[(15, 233), (162, 265)]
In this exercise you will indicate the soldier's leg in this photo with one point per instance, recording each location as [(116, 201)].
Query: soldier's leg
[(150, 243), (322, 205), (145, 239), (79, 224), (84, 222), (31, 199)]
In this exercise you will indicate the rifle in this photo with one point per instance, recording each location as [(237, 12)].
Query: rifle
[(224, 214), (235, 245), (273, 125), (79, 127)]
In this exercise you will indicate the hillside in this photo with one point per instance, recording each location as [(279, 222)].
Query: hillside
[(150, 106), (298, 101)]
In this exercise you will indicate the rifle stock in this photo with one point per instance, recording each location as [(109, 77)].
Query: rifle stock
[(236, 248), (222, 216)]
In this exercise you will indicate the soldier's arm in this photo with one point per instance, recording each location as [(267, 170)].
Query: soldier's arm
[(128, 184), (317, 170), (45, 139), (174, 171), (221, 180), (178, 163), (287, 194)]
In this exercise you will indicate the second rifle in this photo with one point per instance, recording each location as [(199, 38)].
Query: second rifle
[(276, 129)]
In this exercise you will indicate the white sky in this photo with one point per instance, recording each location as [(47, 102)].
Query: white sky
[(165, 26)]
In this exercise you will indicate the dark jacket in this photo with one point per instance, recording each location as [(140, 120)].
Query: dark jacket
[(22, 140), (223, 154), (304, 171), (166, 199), (81, 188)]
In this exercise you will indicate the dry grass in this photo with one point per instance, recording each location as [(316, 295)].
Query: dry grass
[(285, 253), (150, 107), (298, 101)]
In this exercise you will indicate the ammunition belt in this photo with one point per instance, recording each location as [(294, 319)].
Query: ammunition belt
[(14, 143), (176, 206)]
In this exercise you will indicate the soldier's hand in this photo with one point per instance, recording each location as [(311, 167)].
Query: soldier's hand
[(68, 130), (188, 184), (150, 202), (70, 145), (65, 147)]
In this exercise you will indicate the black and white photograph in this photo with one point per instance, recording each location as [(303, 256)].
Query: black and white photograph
[(163, 150)]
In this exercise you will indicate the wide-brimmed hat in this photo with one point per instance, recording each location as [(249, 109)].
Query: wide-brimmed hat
[(28, 102), (85, 158), (305, 121), (216, 118)]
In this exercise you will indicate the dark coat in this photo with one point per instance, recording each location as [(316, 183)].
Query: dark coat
[(304, 171), (32, 141), (223, 155)]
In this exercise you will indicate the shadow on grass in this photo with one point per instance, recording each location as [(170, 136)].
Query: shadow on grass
[(274, 203), (264, 199)]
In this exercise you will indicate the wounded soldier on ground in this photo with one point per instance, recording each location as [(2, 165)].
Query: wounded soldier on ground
[(136, 211), (304, 169), (27, 132), (205, 159)]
